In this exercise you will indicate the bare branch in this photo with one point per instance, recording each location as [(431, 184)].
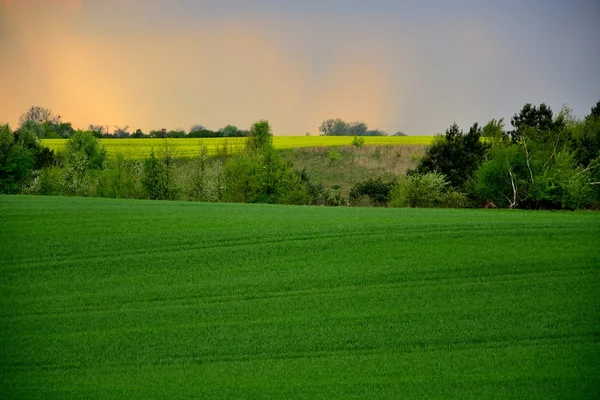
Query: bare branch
[(527, 159)]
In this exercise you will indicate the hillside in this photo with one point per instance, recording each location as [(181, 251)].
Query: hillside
[(130, 299), (354, 165)]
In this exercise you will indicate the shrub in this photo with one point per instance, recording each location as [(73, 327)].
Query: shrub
[(334, 155), (456, 155), (121, 178), (371, 192), (260, 138), (202, 178), (157, 179), (49, 181), (358, 142), (16, 162), (84, 144), (421, 190)]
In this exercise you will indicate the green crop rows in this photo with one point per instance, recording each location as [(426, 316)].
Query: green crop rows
[(140, 148), (129, 299)]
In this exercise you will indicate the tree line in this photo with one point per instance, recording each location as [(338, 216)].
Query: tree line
[(543, 161), (47, 125)]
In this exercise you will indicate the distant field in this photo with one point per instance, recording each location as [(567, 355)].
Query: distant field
[(140, 148), (130, 299)]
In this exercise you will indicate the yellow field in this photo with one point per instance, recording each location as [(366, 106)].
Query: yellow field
[(140, 148)]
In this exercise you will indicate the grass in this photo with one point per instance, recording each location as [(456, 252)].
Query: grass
[(355, 164), (140, 148), (129, 299)]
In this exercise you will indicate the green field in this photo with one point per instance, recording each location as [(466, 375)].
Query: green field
[(140, 148), (126, 299)]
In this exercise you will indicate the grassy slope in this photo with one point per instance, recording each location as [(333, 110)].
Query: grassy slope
[(137, 299), (355, 165)]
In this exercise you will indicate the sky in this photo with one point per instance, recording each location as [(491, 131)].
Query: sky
[(414, 66)]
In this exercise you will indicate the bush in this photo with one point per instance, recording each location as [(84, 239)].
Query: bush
[(16, 162), (454, 199), (50, 182), (121, 178), (358, 142), (260, 138), (202, 178), (84, 144), (427, 190), (333, 155), (371, 192), (157, 178), (456, 155)]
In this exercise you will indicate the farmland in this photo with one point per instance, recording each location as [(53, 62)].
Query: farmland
[(110, 298), (140, 148)]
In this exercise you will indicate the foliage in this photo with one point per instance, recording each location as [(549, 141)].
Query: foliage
[(121, 178), (38, 115), (197, 128), (503, 178), (157, 179), (338, 127), (376, 192), (138, 134), (333, 155), (494, 132), (50, 181), (83, 147), (177, 133), (456, 155), (358, 142), (231, 131), (259, 175), (203, 178), (262, 177), (16, 161), (98, 131), (261, 138), (427, 190), (539, 122)]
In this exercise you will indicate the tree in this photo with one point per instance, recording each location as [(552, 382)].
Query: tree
[(85, 145), (261, 138), (97, 130), (38, 115), (121, 132), (399, 133), (358, 129), (549, 163), (229, 131), (428, 190), (259, 174), (494, 130), (538, 120), (176, 133), (376, 191), (456, 155), (16, 161), (595, 112), (197, 128), (334, 127), (503, 179), (155, 179), (138, 134), (338, 127)]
